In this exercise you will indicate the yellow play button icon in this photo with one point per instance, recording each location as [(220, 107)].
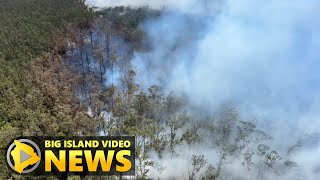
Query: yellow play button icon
[(23, 155)]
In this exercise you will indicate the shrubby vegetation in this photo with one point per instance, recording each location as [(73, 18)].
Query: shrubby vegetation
[(64, 73)]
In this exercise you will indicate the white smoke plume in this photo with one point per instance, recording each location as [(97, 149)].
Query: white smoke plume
[(261, 55)]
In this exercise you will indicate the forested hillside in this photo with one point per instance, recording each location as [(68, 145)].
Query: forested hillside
[(27, 29), (67, 70)]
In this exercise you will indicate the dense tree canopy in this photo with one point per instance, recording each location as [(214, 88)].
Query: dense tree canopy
[(27, 28), (65, 70)]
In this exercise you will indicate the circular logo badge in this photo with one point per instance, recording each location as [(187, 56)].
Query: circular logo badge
[(23, 156)]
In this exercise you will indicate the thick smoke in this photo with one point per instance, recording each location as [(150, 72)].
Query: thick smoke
[(261, 55)]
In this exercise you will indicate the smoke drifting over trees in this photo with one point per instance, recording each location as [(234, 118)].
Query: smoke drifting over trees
[(210, 89), (260, 56)]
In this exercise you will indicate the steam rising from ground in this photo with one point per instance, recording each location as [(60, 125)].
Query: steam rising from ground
[(262, 56)]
